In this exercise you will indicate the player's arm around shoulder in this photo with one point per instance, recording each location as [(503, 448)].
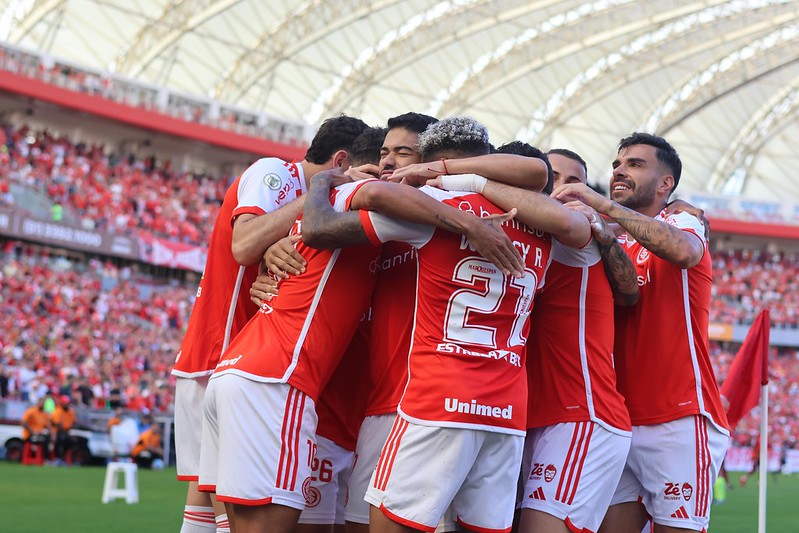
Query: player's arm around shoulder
[(533, 208), (618, 267), (523, 172), (325, 227), (679, 239), (677, 245), (406, 203), (264, 213)]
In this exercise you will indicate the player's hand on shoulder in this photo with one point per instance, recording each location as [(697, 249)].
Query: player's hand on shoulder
[(579, 191), (417, 174), (600, 229), (363, 172), (330, 178), (681, 206)]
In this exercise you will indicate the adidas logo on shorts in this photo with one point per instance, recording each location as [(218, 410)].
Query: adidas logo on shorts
[(680, 513)]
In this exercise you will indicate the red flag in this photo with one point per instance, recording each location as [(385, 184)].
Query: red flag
[(748, 371)]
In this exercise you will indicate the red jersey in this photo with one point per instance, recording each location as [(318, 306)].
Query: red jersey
[(222, 308), (661, 347), (342, 403), (392, 322), (570, 353), (466, 363), (300, 336)]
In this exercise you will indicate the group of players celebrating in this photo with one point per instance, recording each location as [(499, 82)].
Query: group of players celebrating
[(449, 335)]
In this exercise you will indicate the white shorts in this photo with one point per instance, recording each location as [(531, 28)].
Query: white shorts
[(327, 494), (371, 438), (571, 470), (422, 470), (258, 442), (671, 469), (189, 394)]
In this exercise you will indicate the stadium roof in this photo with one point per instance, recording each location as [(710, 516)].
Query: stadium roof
[(719, 79)]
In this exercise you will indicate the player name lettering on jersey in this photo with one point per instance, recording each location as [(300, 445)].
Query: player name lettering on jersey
[(524, 250), (511, 357), (454, 405), (383, 263)]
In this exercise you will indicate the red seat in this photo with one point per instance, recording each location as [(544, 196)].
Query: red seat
[(33, 453)]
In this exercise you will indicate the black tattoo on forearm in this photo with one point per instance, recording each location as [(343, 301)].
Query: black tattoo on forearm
[(656, 236), (620, 272), (324, 227)]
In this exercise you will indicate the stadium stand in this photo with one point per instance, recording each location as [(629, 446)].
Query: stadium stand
[(107, 191), (47, 345), (783, 394), (189, 108), (745, 280), (90, 330)]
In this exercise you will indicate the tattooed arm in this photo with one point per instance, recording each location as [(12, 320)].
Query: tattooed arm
[(323, 226), (619, 270), (678, 247), (330, 229), (664, 240)]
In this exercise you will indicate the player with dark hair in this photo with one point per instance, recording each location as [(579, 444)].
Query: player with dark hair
[(260, 420), (527, 150), (400, 145), (571, 167), (366, 147), (424, 411), (394, 297), (578, 427), (680, 432), (258, 209)]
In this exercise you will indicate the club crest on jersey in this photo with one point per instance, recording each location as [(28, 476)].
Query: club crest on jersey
[(311, 494), (549, 473), (687, 491), (273, 181), (643, 256)]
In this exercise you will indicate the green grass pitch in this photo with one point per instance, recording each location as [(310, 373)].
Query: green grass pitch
[(66, 500)]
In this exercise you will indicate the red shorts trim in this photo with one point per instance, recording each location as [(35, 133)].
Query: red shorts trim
[(405, 521), (574, 528), (188, 478), (206, 488), (479, 529), (242, 501)]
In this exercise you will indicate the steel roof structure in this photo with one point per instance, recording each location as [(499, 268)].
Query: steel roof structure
[(719, 79)]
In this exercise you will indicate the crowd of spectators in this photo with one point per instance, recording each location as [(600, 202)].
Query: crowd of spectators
[(103, 335), (107, 336), (151, 98), (745, 281), (107, 191), (783, 396)]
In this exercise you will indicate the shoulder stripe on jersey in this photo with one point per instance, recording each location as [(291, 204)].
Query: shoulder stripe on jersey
[(310, 316), (231, 313), (246, 210), (694, 359), (369, 228), (589, 395)]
